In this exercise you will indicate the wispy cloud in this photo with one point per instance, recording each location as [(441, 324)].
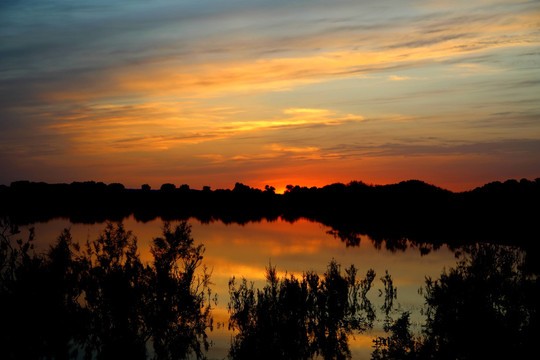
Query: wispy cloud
[(293, 149), (161, 126), (169, 63), (415, 148), (207, 84)]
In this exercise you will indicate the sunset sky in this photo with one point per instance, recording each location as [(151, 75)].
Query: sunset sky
[(211, 92)]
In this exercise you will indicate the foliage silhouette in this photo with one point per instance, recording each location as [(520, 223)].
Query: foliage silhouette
[(299, 318), (181, 308), (102, 302), (400, 345), (487, 307), (38, 299)]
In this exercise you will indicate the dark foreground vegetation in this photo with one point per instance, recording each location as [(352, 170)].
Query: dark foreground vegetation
[(393, 215), (300, 318), (100, 301), (487, 307)]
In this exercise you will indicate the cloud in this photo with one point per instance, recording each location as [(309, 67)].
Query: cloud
[(506, 148), (316, 112), (225, 52), (215, 82), (110, 128), (293, 149), (398, 78)]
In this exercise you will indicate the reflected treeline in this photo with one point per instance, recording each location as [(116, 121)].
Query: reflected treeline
[(392, 215), (100, 301), (303, 318), (487, 307)]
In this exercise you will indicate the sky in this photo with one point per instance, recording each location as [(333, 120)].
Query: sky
[(305, 92)]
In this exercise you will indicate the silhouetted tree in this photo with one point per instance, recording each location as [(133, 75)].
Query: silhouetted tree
[(115, 295), (487, 307), (102, 300), (241, 188), (179, 313), (115, 187), (184, 188), (299, 318), (168, 187)]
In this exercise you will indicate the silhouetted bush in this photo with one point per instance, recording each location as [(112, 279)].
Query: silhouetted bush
[(487, 307), (103, 301), (299, 318)]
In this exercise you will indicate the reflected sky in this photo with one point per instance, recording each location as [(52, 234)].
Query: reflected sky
[(246, 250)]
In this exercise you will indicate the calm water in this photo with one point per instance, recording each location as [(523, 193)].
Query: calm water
[(246, 251)]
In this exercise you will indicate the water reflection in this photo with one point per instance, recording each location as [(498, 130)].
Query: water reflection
[(486, 307), (101, 301), (293, 318), (114, 296), (245, 251)]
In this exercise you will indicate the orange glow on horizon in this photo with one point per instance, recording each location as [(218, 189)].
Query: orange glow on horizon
[(381, 99)]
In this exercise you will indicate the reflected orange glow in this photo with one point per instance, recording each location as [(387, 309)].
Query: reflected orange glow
[(246, 251)]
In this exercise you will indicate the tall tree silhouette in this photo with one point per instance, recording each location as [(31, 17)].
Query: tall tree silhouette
[(181, 301), (115, 295)]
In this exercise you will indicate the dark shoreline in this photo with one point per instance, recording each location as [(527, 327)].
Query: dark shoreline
[(503, 213)]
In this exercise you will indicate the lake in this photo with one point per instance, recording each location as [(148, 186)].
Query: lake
[(293, 248)]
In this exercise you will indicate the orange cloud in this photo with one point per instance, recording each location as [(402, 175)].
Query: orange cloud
[(435, 39), (161, 126)]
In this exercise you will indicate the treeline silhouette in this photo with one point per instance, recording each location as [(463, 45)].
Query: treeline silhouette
[(392, 215)]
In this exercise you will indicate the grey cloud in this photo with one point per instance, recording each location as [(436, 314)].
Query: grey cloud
[(427, 41), (502, 148)]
